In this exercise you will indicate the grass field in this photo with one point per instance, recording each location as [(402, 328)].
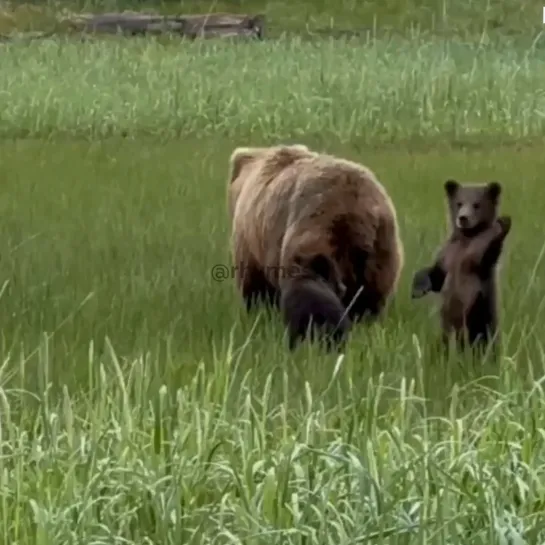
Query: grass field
[(140, 404)]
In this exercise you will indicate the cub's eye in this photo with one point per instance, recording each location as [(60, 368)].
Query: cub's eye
[(476, 206), (459, 204)]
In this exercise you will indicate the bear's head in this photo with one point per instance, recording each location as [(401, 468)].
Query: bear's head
[(472, 207)]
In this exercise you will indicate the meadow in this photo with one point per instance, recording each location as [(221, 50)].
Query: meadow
[(139, 402)]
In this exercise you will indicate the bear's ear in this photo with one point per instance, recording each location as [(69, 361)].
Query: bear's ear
[(451, 187), (239, 158), (301, 148), (493, 189)]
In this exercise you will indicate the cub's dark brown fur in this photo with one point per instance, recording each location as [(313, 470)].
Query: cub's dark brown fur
[(464, 271)]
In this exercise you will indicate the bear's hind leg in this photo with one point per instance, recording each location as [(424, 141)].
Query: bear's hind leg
[(254, 286), (361, 298), (310, 306), (368, 305), (251, 280), (257, 290)]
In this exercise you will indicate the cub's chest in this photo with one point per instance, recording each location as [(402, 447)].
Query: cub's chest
[(458, 257)]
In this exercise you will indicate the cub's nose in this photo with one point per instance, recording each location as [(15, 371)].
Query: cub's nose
[(463, 220)]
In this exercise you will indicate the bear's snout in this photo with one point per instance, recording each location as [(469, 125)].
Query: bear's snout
[(463, 218), (462, 221)]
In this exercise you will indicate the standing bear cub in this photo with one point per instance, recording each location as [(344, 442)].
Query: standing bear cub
[(465, 269), (314, 234)]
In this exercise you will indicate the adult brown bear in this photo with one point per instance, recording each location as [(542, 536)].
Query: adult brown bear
[(312, 231)]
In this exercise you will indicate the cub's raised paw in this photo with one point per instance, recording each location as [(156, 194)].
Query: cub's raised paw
[(421, 284), (505, 224)]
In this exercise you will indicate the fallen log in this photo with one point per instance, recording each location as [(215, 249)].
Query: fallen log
[(190, 26)]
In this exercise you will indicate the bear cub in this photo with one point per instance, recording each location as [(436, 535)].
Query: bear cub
[(464, 271)]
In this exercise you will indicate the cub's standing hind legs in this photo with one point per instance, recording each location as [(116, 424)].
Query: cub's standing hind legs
[(480, 332), (482, 321), (485, 344)]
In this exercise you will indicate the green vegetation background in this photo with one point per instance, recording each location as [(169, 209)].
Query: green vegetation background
[(140, 404)]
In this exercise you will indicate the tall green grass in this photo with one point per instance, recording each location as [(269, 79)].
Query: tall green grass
[(140, 403), (214, 461), (379, 91)]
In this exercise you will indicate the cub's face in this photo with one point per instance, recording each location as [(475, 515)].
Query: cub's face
[(472, 207)]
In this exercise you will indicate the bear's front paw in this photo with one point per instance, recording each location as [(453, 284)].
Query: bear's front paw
[(421, 284), (505, 224)]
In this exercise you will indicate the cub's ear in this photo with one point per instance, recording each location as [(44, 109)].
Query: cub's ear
[(239, 159), (451, 187), (494, 190)]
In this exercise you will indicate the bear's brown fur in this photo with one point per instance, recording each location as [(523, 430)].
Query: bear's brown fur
[(313, 298), (300, 216), (464, 272)]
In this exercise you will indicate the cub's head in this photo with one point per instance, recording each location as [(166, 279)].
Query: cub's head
[(472, 207)]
